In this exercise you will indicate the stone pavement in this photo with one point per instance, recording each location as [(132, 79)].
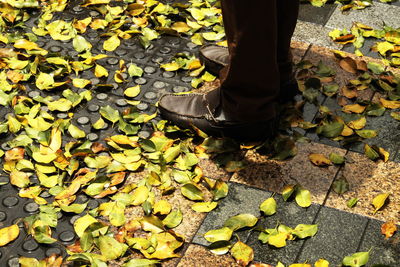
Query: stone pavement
[(342, 230)]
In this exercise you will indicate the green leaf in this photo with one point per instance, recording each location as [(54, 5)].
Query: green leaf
[(303, 197), (370, 152), (109, 113), (356, 260), (44, 81), (336, 158), (222, 234), (80, 44), (305, 230), (111, 43), (220, 190), (192, 192), (75, 208), (242, 253), (141, 263), (268, 207), (82, 223), (352, 202), (135, 71), (376, 68), (341, 185), (173, 219), (240, 221), (287, 191), (367, 133), (75, 132), (111, 248)]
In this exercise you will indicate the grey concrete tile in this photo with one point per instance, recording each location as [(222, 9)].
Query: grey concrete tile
[(338, 235), (388, 134), (384, 251), (314, 34), (314, 14), (376, 16), (290, 214), (240, 199), (366, 49)]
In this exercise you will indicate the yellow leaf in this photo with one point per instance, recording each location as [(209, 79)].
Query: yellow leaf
[(358, 124), (354, 108), (162, 207), (132, 91), (180, 26), (242, 253), (319, 160), (379, 201), (112, 43), (389, 104), (140, 195), (80, 83), (277, 240), (384, 154), (27, 45), (8, 234), (321, 263), (100, 71)]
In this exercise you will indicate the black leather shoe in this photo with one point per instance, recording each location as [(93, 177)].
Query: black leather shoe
[(217, 57), (196, 110)]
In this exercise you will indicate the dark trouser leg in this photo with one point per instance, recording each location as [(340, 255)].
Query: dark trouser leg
[(251, 81), (287, 17)]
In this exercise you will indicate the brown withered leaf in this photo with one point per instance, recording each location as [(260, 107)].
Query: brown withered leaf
[(388, 229), (361, 65), (348, 64), (345, 39), (15, 153)]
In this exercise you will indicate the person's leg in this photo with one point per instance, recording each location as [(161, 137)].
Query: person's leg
[(250, 83), (287, 13)]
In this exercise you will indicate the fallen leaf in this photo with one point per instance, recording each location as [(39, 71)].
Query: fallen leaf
[(388, 229), (379, 201), (268, 207), (242, 253), (8, 234), (319, 160)]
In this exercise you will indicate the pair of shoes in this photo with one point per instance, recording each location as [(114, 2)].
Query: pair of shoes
[(196, 111), (217, 57)]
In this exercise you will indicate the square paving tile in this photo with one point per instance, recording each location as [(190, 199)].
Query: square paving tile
[(388, 134), (314, 34), (339, 234), (290, 214), (384, 251), (240, 199), (318, 15), (377, 15), (199, 256), (273, 175), (366, 180)]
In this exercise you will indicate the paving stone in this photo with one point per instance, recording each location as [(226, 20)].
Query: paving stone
[(376, 16), (290, 214), (314, 34), (388, 134), (366, 180), (200, 256), (240, 199), (318, 15), (339, 234), (384, 251), (273, 175), (211, 170)]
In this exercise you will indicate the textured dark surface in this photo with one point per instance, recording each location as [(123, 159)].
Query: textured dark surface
[(241, 199), (314, 14), (289, 214), (338, 235)]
